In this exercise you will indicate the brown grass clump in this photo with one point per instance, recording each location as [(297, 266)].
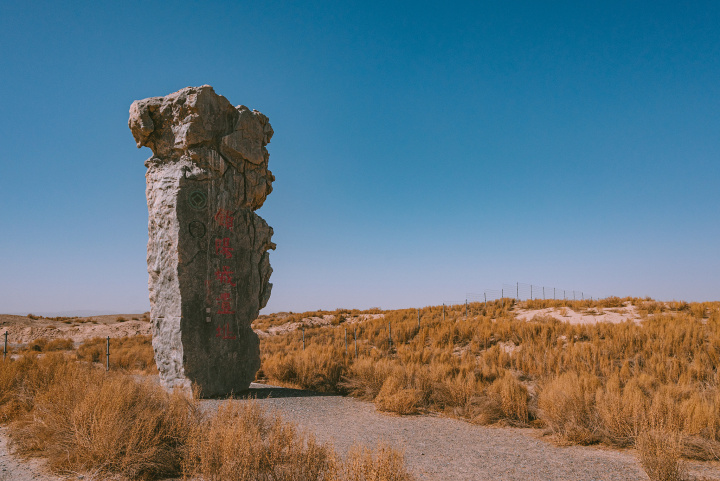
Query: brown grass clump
[(395, 396), (22, 379), (318, 368), (567, 405), (386, 464), (89, 420), (586, 383), (659, 453), (241, 443), (86, 420), (128, 353), (60, 345)]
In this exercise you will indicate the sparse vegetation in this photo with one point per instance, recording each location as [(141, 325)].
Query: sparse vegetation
[(83, 419), (593, 383), (127, 353)]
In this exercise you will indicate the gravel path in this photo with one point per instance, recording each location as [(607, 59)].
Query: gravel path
[(440, 448), (13, 468)]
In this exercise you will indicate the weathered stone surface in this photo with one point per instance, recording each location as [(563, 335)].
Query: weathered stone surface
[(208, 259)]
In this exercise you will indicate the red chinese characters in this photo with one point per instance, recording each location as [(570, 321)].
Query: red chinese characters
[(224, 219), (222, 247), (224, 332), (225, 304), (224, 276)]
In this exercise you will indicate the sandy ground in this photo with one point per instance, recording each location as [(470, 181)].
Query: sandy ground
[(314, 322), (590, 316), (438, 448), (22, 329), (13, 468)]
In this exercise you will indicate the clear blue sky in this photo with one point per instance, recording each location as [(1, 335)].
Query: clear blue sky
[(422, 149)]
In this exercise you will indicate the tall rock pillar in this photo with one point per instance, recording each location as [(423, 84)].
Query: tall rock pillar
[(207, 251)]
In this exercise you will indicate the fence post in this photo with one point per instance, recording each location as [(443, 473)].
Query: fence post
[(517, 291), (564, 296), (107, 355), (346, 341), (389, 337), (543, 293), (502, 297), (356, 351), (465, 308), (418, 318), (443, 312), (485, 295), (553, 293), (5, 348), (303, 334)]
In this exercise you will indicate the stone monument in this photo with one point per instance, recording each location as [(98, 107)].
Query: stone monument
[(207, 254)]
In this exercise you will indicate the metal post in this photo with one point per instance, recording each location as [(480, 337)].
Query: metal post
[(443, 312), (531, 292), (346, 341), (356, 351), (303, 333), (564, 296), (5, 348), (389, 336), (465, 308), (582, 295), (418, 318), (573, 295), (485, 299), (107, 359), (553, 293), (543, 293), (517, 291)]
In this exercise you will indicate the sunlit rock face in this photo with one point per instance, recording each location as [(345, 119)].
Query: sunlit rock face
[(207, 254)]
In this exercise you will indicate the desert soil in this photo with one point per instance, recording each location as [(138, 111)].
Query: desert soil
[(23, 329), (441, 448), (436, 448)]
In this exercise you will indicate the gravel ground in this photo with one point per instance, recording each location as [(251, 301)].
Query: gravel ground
[(440, 448), (436, 448)]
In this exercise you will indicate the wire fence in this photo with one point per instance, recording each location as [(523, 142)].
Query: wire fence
[(107, 350), (522, 292)]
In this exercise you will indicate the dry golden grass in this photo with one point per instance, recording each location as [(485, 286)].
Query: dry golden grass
[(659, 453), (127, 353), (385, 464), (85, 420), (242, 443), (585, 383)]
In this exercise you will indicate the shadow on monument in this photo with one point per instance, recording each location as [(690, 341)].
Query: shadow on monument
[(266, 391)]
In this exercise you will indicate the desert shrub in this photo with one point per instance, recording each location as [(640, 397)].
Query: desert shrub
[(241, 443), (21, 379), (319, 368), (60, 345), (396, 396), (513, 398), (385, 464), (37, 345), (83, 419), (567, 405), (129, 353), (366, 377), (659, 453), (586, 383), (86, 419)]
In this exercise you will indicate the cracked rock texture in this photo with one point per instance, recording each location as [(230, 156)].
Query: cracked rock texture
[(207, 253)]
